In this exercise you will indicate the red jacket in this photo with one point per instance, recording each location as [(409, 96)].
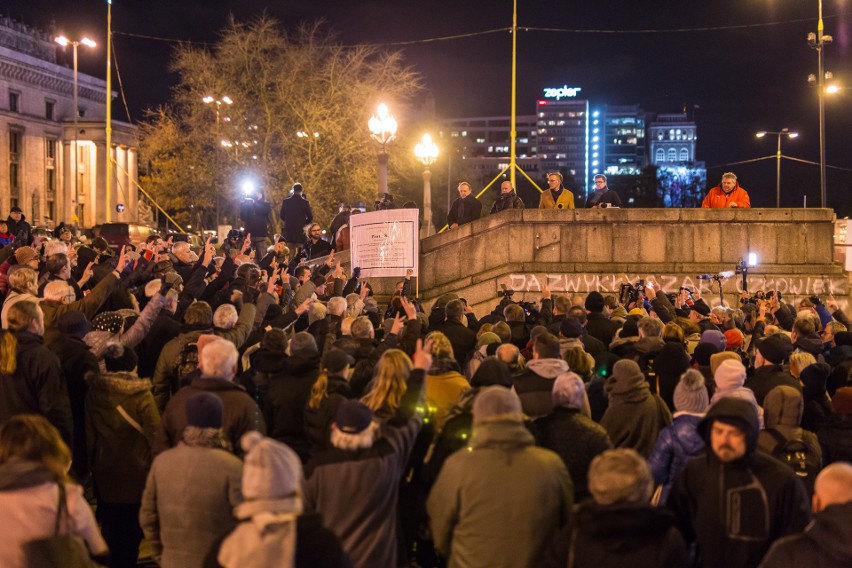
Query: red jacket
[(718, 199)]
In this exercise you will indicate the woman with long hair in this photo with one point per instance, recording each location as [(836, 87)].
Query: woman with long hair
[(389, 382), (34, 463)]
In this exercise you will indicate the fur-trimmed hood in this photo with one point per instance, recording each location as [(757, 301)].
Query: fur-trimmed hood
[(124, 382)]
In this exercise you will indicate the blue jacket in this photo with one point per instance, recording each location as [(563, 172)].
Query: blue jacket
[(676, 446)]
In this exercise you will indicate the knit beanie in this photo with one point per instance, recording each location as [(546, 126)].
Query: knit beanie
[(629, 329), (272, 477), (715, 337), (204, 410), (25, 254), (730, 374), (492, 372), (353, 417), (595, 302), (842, 401), (571, 328), (776, 348), (814, 379), (717, 358), (118, 357), (74, 324), (703, 352), (496, 403), (690, 394), (111, 322), (637, 312), (734, 338)]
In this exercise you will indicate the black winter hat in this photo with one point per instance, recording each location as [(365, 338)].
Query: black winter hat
[(776, 348), (703, 351), (490, 373), (73, 323), (353, 417), (595, 302), (571, 327), (335, 360), (204, 410)]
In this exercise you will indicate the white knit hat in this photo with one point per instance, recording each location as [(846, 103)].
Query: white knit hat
[(272, 477), (730, 374)]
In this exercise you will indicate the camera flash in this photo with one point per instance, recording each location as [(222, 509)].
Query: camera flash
[(752, 259)]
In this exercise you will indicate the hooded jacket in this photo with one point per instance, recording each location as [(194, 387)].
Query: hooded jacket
[(535, 385), (635, 416), (717, 198), (736, 510), (782, 412), (825, 543), (676, 445)]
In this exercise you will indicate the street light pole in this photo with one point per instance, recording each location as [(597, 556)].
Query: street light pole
[(426, 151), (64, 41), (784, 132), (383, 129), (818, 42)]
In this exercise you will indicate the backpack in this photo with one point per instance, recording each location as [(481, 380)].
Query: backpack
[(796, 455), (187, 362)]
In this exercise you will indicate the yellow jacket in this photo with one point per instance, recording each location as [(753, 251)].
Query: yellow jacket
[(565, 201)]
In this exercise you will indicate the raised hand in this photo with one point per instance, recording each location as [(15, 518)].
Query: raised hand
[(422, 357)]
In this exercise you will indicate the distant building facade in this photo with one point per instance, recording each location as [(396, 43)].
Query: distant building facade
[(681, 180), (37, 138)]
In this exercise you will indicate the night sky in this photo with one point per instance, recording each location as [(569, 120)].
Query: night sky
[(744, 75)]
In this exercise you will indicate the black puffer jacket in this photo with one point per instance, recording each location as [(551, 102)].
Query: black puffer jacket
[(287, 396)]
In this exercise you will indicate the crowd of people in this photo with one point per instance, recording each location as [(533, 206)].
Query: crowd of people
[(245, 406)]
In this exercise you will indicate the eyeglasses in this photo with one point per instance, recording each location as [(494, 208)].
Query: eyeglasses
[(600, 182)]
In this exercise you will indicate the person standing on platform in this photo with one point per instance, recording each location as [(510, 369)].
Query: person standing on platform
[(295, 214), (727, 194), (557, 196), (465, 209), (603, 195), (508, 199)]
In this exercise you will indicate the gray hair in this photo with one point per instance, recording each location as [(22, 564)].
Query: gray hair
[(729, 175), (569, 391), (650, 327), (219, 359), (620, 476), (303, 342), (225, 316), (337, 306)]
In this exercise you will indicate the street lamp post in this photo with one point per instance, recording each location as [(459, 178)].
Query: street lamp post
[(426, 151), (383, 129), (784, 132), (64, 42), (818, 42)]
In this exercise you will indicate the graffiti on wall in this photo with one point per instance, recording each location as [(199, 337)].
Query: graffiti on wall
[(611, 283)]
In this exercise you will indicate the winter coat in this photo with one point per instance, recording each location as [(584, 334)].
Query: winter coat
[(37, 386), (507, 201), (254, 544), (13, 298), (736, 510), (600, 327), (835, 438), (90, 305), (165, 380), (77, 362), (767, 378), (97, 340), (782, 412), (609, 196), (576, 439), (817, 403), (534, 385), (287, 397), (356, 492), (624, 347), (676, 446), (317, 249), (16, 227), (318, 420), (566, 344), (240, 413), (464, 210), (29, 497), (255, 214), (565, 200), (825, 543), (187, 504), (483, 496), (118, 406), (165, 328), (717, 198), (443, 392), (618, 535), (669, 364), (461, 338), (635, 416), (295, 214)]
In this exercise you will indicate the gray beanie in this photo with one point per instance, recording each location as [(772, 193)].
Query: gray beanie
[(690, 394), (620, 476), (497, 403)]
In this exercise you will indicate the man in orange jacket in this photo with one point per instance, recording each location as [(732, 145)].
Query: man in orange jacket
[(727, 194)]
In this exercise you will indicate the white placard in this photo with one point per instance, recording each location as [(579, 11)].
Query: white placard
[(385, 243)]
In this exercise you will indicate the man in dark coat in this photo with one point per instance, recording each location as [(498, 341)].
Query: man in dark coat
[(736, 501), (17, 225), (508, 199), (603, 195), (465, 209), (461, 338), (316, 246), (598, 324), (768, 367), (827, 541), (295, 214), (254, 211), (342, 218)]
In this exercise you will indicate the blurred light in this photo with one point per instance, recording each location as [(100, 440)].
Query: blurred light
[(596, 114), (62, 40), (831, 89), (87, 42), (227, 100), (208, 99), (248, 186), (761, 134), (793, 134), (752, 259)]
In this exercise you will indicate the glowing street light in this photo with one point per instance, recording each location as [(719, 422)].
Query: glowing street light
[(382, 129), (784, 132), (210, 99), (65, 42), (426, 151)]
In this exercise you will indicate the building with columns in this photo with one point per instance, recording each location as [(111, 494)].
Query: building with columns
[(38, 142)]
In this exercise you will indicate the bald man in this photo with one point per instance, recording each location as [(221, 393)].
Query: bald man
[(827, 541)]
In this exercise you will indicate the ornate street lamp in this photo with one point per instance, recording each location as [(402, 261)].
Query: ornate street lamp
[(383, 129), (426, 151)]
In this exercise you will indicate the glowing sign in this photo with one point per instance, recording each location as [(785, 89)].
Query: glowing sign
[(563, 92)]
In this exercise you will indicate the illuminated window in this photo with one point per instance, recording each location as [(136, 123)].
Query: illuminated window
[(684, 155), (672, 155)]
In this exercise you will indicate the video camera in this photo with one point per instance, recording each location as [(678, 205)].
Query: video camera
[(631, 293)]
